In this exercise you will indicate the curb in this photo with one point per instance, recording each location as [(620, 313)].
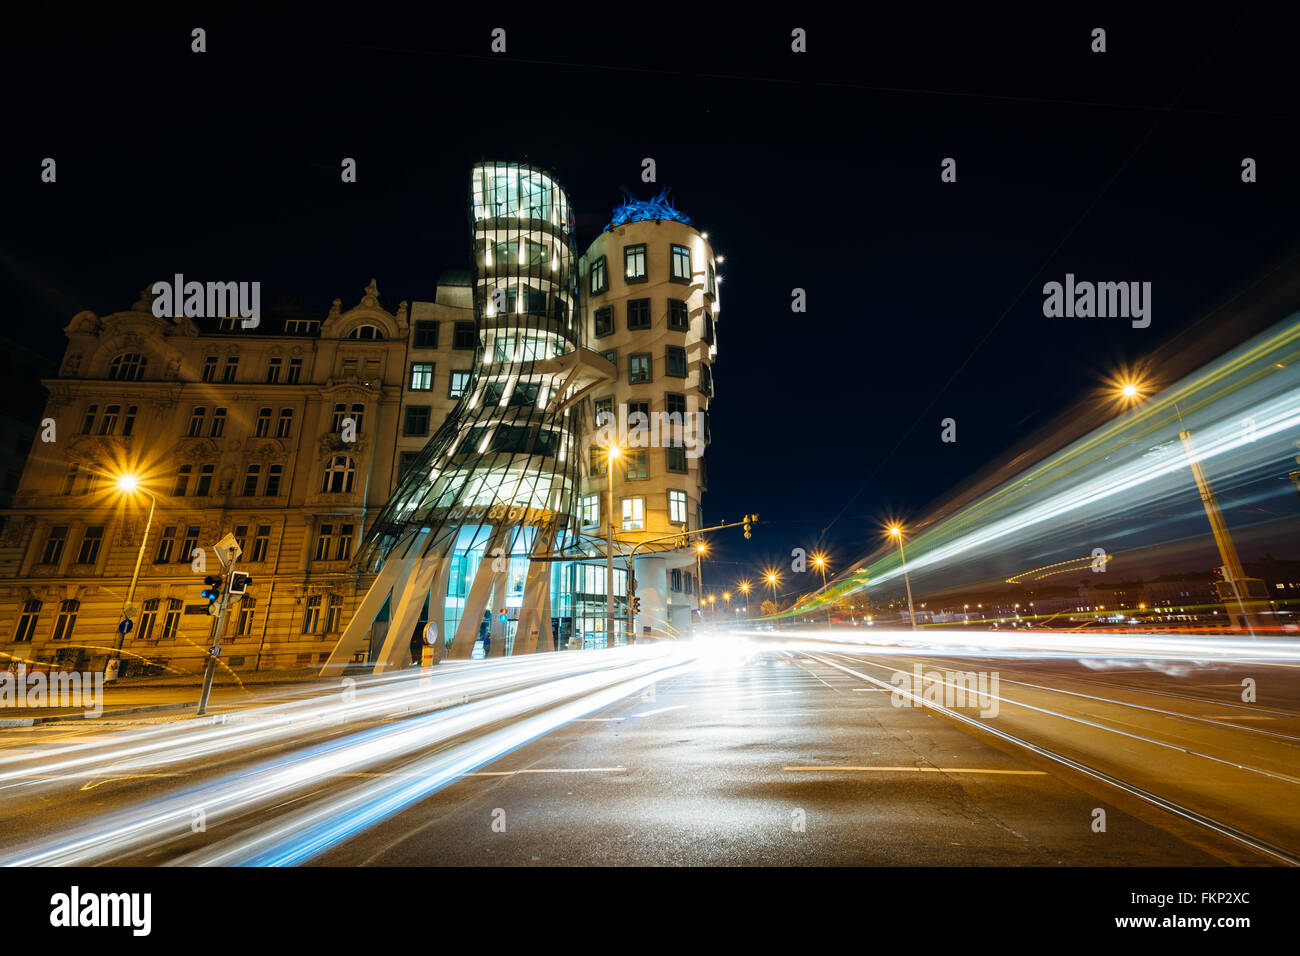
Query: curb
[(66, 718)]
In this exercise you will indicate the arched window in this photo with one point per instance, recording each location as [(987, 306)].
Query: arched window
[(366, 332), (128, 367), (340, 472)]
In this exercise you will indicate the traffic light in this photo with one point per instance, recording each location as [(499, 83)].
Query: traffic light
[(212, 591), (636, 604), (749, 524), (504, 616)]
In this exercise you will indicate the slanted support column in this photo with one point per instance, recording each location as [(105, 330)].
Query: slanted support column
[(534, 630), (392, 576), (396, 653), (462, 646)]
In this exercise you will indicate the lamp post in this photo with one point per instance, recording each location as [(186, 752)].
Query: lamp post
[(613, 452), (129, 484), (744, 589), (819, 561), (897, 532), (700, 548)]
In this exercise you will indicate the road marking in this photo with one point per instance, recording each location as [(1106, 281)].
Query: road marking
[(1025, 773), (595, 719), (511, 773), (661, 710)]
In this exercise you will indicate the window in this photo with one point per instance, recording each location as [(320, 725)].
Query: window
[(273, 372), (273, 475), (598, 462), (189, 545), (681, 260), (128, 423), (534, 301), (295, 371), (405, 461), (261, 542), (421, 376), (603, 409), (93, 478), (263, 423), (182, 482), (679, 318), (66, 621), (349, 368), (90, 542), (27, 621), (465, 337), (218, 423), (109, 422), (634, 263), (637, 465), (676, 359), (675, 404), (340, 472), (708, 327), (706, 379), (301, 326), (209, 373), (54, 543), (166, 545), (333, 613), (284, 424), (241, 537), (311, 615), (589, 509), (675, 579), (70, 479), (340, 413), (676, 457), (127, 368), (633, 514), (204, 487), (459, 382), (244, 623), (232, 367), (344, 552), (712, 287), (417, 420), (366, 332), (88, 423), (426, 334), (226, 324), (197, 416), (604, 321), (357, 413), (677, 507), (599, 278), (325, 542), (251, 477), (638, 314), (638, 367), (172, 619)]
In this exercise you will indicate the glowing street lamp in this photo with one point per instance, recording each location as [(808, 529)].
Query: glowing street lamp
[(743, 587), (701, 549), (129, 484), (896, 531)]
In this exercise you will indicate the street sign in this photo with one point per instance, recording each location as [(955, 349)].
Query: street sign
[(228, 550), (124, 626), (214, 651), (430, 633), (130, 611)]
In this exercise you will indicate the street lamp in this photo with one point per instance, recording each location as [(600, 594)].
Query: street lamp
[(897, 532), (613, 452), (701, 548), (819, 561), (129, 484), (743, 587)]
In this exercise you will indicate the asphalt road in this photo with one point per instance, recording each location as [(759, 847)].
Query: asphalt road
[(767, 757)]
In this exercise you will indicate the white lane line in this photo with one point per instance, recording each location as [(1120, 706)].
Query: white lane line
[(661, 710), (486, 773), (1023, 773), (578, 720)]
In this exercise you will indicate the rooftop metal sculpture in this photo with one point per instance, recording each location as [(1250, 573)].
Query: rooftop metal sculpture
[(639, 210)]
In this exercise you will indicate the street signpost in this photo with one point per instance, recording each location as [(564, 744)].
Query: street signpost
[(228, 552)]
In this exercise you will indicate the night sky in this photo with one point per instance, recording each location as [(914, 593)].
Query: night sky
[(818, 171)]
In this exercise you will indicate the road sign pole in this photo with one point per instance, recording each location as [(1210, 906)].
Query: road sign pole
[(214, 652)]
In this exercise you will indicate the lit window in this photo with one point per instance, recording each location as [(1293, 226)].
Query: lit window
[(677, 507), (633, 514), (599, 278), (681, 258), (634, 263), (589, 509), (459, 382), (421, 376)]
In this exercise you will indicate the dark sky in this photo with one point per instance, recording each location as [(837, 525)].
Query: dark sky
[(818, 171)]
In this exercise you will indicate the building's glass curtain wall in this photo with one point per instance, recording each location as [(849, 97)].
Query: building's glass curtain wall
[(498, 482)]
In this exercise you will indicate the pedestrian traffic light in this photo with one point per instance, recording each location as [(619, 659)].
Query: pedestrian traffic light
[(504, 616), (212, 590), (239, 582)]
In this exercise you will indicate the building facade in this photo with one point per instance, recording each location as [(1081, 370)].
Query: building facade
[(382, 469)]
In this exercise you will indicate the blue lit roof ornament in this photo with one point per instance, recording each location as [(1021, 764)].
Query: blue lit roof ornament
[(639, 210)]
